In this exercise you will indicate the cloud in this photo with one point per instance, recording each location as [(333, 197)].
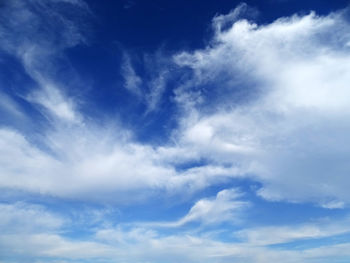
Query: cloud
[(69, 156), (156, 74), (10, 106), (266, 102), (76, 170), (277, 106), (79, 159), (35, 233), (272, 235), (157, 88), (32, 232), (225, 207), (132, 81), (39, 45), (72, 157), (278, 114), (28, 218)]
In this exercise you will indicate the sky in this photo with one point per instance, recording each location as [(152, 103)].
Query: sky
[(168, 131)]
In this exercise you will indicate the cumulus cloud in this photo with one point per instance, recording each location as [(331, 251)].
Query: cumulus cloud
[(279, 105)]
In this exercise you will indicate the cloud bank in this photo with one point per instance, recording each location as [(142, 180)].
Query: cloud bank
[(291, 122)]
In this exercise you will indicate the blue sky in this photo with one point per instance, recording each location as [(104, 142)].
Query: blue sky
[(174, 131)]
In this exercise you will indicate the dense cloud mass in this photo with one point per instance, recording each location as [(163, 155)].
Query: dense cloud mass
[(294, 125), (262, 119)]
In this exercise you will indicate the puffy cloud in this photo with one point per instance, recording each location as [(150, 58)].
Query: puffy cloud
[(273, 99)]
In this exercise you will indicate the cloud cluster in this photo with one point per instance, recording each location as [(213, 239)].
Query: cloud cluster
[(274, 98), (267, 102), (34, 233)]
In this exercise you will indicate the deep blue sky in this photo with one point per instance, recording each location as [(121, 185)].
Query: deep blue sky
[(143, 28), (146, 25)]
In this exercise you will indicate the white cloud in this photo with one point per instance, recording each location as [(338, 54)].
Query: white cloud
[(151, 246), (279, 107), (28, 218), (32, 232), (225, 207), (291, 132), (10, 106), (157, 88), (75, 157), (52, 246), (334, 205), (38, 45), (82, 159), (132, 81), (288, 129), (53, 101), (270, 235), (75, 170), (150, 88)]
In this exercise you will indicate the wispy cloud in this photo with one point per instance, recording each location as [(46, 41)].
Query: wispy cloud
[(226, 206), (156, 74), (132, 81), (41, 234), (38, 46), (284, 234)]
